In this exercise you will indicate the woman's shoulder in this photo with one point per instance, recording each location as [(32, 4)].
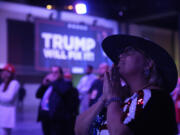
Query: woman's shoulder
[(155, 115), (160, 96), (147, 102), (15, 82), (160, 105)]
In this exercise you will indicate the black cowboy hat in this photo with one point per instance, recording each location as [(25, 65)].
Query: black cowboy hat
[(114, 45)]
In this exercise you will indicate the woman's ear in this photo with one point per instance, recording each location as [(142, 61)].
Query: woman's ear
[(148, 68), (149, 64)]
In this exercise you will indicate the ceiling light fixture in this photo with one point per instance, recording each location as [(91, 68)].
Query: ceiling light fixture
[(81, 8), (70, 7), (49, 7)]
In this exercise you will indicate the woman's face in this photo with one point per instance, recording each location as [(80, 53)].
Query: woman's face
[(5, 75), (131, 62)]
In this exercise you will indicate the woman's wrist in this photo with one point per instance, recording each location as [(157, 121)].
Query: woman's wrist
[(114, 99), (112, 96), (102, 100)]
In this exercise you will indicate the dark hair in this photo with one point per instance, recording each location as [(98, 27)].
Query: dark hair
[(90, 67), (60, 70), (156, 78), (7, 83)]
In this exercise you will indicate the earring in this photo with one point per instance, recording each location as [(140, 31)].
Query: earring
[(146, 73)]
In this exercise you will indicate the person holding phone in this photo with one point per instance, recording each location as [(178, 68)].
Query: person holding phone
[(55, 109), (136, 92)]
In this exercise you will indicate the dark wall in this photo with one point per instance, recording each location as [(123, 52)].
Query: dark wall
[(21, 51), (20, 43)]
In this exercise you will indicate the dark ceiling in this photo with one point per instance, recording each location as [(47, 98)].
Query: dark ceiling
[(159, 13)]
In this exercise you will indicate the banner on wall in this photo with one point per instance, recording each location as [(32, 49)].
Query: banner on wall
[(69, 45)]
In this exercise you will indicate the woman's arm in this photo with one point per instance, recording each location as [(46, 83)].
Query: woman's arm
[(84, 120), (11, 92), (41, 90), (113, 89), (47, 80), (115, 124)]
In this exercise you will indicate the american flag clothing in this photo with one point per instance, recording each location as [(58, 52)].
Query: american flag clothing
[(131, 109)]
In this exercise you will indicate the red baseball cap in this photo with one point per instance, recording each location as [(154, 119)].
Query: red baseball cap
[(68, 76), (9, 68)]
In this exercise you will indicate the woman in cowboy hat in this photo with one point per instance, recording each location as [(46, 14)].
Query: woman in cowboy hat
[(135, 92), (8, 98)]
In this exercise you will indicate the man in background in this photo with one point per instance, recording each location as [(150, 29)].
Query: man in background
[(55, 110), (84, 86), (73, 96), (97, 87)]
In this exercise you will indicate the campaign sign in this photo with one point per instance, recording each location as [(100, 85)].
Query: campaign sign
[(69, 45)]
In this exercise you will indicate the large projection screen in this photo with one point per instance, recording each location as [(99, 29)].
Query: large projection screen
[(69, 45)]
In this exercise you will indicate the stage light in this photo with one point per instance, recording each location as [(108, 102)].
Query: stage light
[(70, 7), (81, 8), (49, 7)]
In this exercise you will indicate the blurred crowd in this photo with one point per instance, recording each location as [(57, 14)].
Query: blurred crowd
[(60, 101)]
